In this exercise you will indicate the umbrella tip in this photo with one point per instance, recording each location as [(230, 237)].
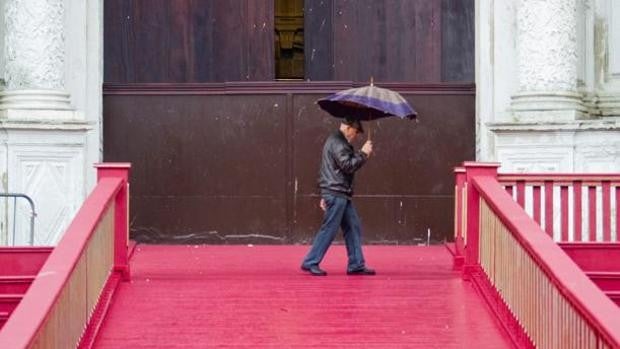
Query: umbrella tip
[(372, 81)]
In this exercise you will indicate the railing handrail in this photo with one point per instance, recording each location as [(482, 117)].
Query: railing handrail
[(596, 308), (33, 213), (25, 321), (559, 177)]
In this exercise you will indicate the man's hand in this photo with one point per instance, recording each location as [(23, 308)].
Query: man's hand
[(322, 205), (367, 148)]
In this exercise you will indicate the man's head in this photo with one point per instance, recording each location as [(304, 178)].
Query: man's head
[(351, 128)]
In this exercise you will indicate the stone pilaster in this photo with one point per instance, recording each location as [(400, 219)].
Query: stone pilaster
[(608, 68), (34, 58), (547, 58), (43, 138)]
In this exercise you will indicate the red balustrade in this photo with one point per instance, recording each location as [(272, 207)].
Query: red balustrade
[(65, 297), (557, 203), (598, 193), (537, 291)]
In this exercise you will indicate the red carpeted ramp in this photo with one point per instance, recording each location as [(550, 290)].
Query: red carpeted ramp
[(257, 297)]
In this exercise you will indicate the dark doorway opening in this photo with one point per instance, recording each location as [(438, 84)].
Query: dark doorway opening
[(289, 39)]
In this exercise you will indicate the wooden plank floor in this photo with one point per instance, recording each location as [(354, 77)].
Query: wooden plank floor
[(256, 296)]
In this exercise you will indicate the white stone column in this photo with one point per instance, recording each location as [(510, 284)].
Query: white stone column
[(43, 136), (35, 61), (547, 56), (608, 69)]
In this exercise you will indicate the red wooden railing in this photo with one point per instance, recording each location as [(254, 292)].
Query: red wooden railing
[(569, 207), (540, 295), (87, 263)]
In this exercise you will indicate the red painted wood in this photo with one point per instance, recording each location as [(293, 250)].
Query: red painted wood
[(256, 297), (577, 179), (574, 285), (8, 302), (459, 242), (564, 213), (472, 170), (501, 309), (592, 213), (509, 189), (101, 309), (549, 207), (121, 229), (459, 184), (15, 284), (24, 323), (594, 256), (606, 281), (22, 260), (537, 204), (614, 296), (618, 213), (521, 193), (4, 316), (577, 210), (559, 177), (606, 199)]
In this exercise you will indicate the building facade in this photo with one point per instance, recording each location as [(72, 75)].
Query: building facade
[(51, 72), (548, 85), (547, 77)]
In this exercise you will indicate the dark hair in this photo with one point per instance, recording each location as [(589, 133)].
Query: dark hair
[(356, 124)]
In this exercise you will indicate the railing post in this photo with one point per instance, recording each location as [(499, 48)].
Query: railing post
[(459, 211), (474, 169), (121, 214)]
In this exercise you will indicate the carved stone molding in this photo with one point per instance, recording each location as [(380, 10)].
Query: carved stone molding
[(49, 177), (34, 44), (528, 159), (547, 58), (609, 103), (46, 162), (14, 103), (579, 146), (547, 45)]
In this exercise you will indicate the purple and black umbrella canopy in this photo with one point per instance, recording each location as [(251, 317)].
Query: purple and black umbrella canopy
[(367, 103)]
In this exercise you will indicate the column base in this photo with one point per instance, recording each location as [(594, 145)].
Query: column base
[(25, 115), (558, 106), (609, 103), (36, 104)]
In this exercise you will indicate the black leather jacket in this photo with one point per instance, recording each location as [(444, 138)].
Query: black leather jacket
[(338, 165)]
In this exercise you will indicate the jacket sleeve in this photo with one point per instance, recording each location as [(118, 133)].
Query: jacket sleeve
[(348, 160)]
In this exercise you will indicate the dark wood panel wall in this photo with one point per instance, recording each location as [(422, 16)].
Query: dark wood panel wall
[(239, 164), (188, 40), (223, 154), (152, 41), (458, 53)]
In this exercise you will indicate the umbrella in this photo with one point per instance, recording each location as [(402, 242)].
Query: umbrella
[(367, 103)]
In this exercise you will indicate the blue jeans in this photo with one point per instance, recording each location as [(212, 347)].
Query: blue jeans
[(339, 213)]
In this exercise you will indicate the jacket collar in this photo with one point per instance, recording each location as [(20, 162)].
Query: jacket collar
[(340, 135)]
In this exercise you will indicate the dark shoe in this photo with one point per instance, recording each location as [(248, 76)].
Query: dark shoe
[(314, 270), (363, 271)]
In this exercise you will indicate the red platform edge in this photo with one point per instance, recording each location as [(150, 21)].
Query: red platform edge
[(504, 316), (101, 310), (458, 260)]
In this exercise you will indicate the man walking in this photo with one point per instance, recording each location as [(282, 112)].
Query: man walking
[(338, 166)]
